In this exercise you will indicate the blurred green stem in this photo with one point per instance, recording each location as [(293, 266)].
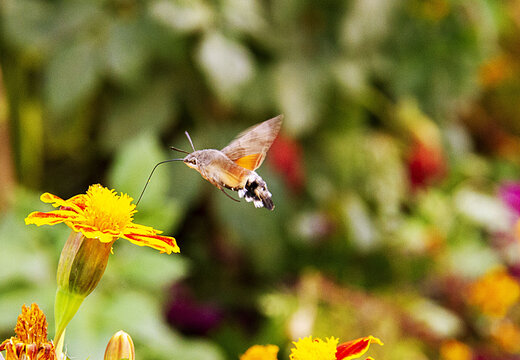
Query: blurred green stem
[(59, 345)]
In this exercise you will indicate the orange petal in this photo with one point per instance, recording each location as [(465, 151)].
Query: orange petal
[(355, 348), (162, 243), (49, 218)]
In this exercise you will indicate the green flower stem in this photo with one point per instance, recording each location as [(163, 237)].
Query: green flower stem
[(82, 264)]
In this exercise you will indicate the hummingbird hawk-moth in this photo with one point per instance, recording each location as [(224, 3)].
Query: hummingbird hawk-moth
[(234, 166)]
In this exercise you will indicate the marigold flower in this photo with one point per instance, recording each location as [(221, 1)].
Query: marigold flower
[(494, 293), (355, 348), (455, 350), (496, 70), (102, 214), (261, 352), (507, 335), (119, 347), (30, 342), (317, 349), (97, 219)]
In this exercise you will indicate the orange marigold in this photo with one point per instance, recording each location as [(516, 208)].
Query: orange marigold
[(30, 342)]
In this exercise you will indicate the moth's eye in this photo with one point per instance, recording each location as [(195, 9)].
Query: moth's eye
[(194, 161)]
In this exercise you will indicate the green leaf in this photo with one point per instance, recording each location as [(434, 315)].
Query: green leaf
[(145, 111), (227, 64), (126, 62), (169, 190), (71, 76), (182, 16)]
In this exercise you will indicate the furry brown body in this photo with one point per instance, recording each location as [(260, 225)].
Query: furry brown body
[(217, 168), (233, 167)]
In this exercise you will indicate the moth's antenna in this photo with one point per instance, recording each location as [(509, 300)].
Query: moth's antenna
[(149, 177), (179, 150), (189, 138)]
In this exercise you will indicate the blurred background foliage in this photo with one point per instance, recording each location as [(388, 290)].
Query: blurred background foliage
[(401, 125)]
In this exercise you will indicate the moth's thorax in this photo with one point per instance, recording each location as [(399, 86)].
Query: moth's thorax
[(217, 168), (203, 158)]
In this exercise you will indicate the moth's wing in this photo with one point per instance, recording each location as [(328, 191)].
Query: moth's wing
[(231, 179), (226, 174), (248, 150)]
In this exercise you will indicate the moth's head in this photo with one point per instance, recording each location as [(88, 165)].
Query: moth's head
[(192, 160)]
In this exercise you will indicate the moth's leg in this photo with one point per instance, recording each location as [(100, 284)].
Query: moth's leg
[(229, 196)]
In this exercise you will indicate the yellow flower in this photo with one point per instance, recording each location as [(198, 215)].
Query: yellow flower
[(102, 214), (507, 335), (317, 349), (119, 347), (97, 219), (30, 342), (260, 352), (496, 70), (314, 349), (494, 293), (455, 350)]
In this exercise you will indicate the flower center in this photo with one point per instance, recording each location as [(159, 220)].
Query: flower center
[(317, 349), (106, 210)]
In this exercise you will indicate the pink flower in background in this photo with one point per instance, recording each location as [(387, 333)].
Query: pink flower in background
[(510, 194)]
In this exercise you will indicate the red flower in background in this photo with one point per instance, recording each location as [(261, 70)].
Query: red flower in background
[(286, 156), (426, 165)]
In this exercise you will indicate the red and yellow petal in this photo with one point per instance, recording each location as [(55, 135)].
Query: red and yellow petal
[(159, 242), (50, 218), (56, 201), (92, 232), (76, 203), (355, 348), (78, 200), (141, 229), (51, 199)]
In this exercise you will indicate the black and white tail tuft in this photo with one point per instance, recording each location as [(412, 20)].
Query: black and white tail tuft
[(257, 192)]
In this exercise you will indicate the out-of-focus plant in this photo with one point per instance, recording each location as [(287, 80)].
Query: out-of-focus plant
[(401, 127)]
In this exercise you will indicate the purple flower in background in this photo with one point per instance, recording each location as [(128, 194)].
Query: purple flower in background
[(189, 315), (510, 194)]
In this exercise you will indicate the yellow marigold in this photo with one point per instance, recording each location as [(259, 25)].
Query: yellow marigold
[(494, 293), (102, 214), (496, 70), (436, 10), (260, 352), (317, 349), (30, 342), (455, 350), (97, 219), (314, 349), (507, 335)]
